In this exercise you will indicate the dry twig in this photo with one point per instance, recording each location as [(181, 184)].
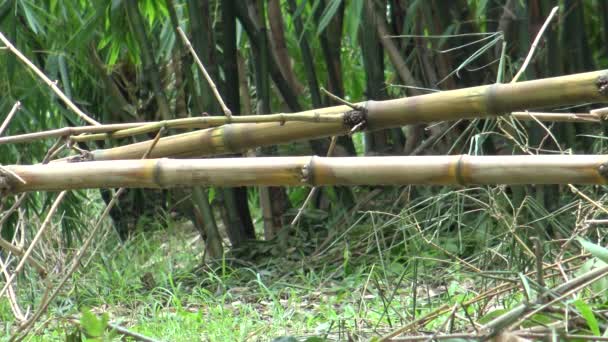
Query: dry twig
[(10, 116), (225, 108), (46, 80)]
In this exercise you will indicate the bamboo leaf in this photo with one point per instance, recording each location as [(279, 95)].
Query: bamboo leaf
[(353, 18), (595, 250), (86, 31), (411, 16), (302, 6), (527, 288), (93, 326), (30, 17), (588, 315), (211, 194), (480, 8), (328, 14)]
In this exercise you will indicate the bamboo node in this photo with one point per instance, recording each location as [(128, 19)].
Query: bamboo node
[(602, 84), (7, 180), (5, 186), (305, 177), (603, 169), (356, 119), (82, 157)]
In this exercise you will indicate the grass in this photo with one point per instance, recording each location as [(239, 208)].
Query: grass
[(360, 277), (226, 303)]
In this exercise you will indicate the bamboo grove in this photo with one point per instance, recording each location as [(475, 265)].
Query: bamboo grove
[(103, 95), (245, 54)]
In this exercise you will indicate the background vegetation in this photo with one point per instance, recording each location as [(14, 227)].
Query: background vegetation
[(361, 262)]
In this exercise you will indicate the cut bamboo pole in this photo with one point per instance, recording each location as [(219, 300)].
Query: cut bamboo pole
[(313, 171), (465, 103)]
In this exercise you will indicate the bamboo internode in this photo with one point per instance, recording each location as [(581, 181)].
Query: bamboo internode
[(313, 171), (464, 103)]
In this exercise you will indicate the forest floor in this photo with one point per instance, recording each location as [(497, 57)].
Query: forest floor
[(368, 281), (154, 285)]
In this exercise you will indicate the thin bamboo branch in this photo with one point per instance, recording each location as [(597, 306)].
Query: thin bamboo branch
[(4, 244), (557, 117), (534, 45), (11, 295), (9, 117), (313, 171), (503, 321), (465, 103), (123, 130), (340, 100), (211, 121), (34, 241), (46, 80), (225, 108)]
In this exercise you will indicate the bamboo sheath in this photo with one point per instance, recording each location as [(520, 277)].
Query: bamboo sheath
[(313, 171), (464, 103)]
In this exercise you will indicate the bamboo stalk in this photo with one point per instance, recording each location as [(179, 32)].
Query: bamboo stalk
[(332, 115), (123, 130), (464, 103), (312, 171)]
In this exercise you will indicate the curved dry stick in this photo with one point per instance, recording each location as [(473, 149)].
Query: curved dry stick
[(227, 111), (46, 80), (534, 45)]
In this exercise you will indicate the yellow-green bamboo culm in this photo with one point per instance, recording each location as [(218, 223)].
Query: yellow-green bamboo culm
[(464, 103), (313, 171)]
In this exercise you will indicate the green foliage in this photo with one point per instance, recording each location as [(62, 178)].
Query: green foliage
[(595, 250), (328, 13), (93, 326), (587, 313)]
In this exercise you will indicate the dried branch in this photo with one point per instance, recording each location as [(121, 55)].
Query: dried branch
[(12, 298), (225, 108), (10, 116), (46, 80), (4, 244), (534, 45), (557, 117)]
